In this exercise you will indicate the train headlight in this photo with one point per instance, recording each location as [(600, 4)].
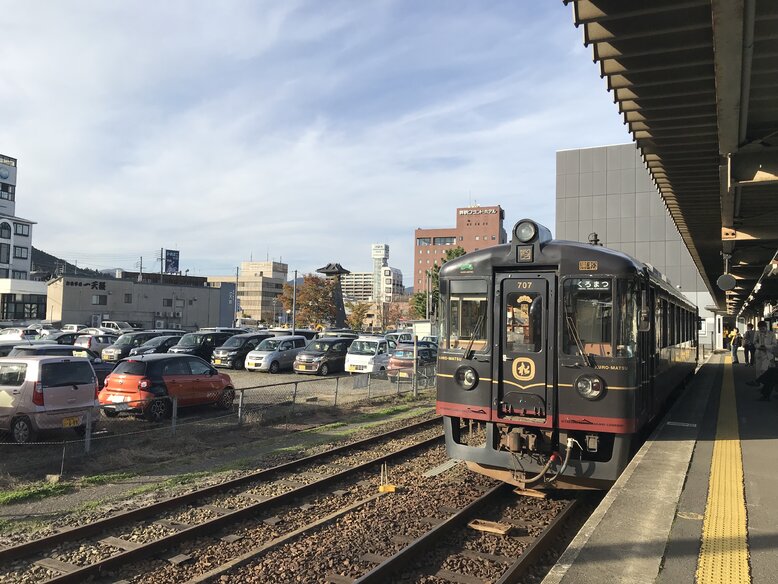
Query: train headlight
[(525, 231), (590, 387), (467, 377)]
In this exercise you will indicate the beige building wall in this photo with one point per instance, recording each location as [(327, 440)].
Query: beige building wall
[(83, 300), (259, 283)]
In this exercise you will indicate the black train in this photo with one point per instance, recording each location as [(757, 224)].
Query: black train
[(565, 351)]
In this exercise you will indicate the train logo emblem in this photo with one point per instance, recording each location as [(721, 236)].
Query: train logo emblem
[(523, 369)]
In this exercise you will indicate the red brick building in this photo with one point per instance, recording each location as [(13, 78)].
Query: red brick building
[(476, 228)]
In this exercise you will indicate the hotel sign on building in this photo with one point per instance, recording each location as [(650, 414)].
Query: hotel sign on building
[(476, 228)]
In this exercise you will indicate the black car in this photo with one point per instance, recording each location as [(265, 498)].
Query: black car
[(128, 341), (323, 356), (102, 369), (159, 344), (233, 353), (201, 343), (62, 338)]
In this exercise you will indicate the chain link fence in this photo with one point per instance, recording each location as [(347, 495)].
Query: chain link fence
[(133, 430)]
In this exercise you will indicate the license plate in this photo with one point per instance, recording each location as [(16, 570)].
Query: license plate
[(121, 407), (71, 422), (251, 364), (217, 361), (352, 367), (118, 398), (404, 374)]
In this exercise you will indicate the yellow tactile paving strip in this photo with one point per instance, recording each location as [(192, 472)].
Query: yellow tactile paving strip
[(724, 553)]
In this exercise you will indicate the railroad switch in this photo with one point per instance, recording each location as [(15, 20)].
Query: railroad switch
[(386, 486)]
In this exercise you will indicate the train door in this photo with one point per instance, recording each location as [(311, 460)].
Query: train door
[(645, 357), (526, 355)]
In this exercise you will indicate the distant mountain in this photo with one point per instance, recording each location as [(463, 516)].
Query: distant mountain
[(44, 263), (409, 291)]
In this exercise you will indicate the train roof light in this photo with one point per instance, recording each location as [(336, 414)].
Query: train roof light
[(525, 231)]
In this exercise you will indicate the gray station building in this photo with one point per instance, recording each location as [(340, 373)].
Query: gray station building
[(608, 191), (88, 301)]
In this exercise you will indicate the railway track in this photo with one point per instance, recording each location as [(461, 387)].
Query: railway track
[(102, 547)]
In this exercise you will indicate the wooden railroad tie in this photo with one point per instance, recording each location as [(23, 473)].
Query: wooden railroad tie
[(490, 526)]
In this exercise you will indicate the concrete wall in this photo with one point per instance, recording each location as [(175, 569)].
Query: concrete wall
[(70, 300), (608, 191)]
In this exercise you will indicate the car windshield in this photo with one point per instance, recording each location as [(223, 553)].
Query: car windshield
[(403, 354), (318, 346), (155, 342), (363, 347), (191, 340), (268, 345), (125, 341), (235, 342), (130, 368), (123, 325)]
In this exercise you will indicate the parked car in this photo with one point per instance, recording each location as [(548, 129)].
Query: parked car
[(323, 356), (72, 328), (96, 331), (401, 360), (224, 329), (275, 354), (95, 342), (400, 337), (46, 392), (201, 343), (144, 384), (121, 347), (18, 334), (117, 326), (7, 346), (101, 368), (43, 329), (160, 344), (342, 333), (62, 338), (233, 352), (285, 332), (368, 354), (431, 339)]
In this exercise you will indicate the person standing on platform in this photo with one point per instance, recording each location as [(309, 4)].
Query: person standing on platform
[(735, 343), (765, 344), (748, 344), (726, 339)]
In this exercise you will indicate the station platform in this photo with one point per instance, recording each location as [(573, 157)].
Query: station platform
[(699, 502)]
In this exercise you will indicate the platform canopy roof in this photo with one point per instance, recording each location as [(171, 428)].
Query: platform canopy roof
[(697, 83)]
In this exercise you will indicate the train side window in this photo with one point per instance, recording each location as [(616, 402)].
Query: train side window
[(627, 323), (524, 322)]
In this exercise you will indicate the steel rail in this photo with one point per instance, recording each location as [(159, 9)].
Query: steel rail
[(401, 560), (212, 525), (25, 549)]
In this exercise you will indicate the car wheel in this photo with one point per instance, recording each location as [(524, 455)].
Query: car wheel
[(110, 413), (22, 431), (157, 410), (324, 370), (274, 367), (226, 399)]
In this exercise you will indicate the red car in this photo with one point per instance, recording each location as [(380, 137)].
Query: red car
[(145, 384), (401, 360)]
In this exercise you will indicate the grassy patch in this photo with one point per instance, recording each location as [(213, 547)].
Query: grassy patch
[(32, 492), (101, 479)]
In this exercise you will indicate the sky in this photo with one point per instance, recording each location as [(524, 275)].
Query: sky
[(299, 131)]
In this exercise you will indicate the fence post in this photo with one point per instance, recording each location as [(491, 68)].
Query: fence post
[(174, 417), (240, 407), (368, 386), (397, 382), (337, 386), (294, 396), (88, 435)]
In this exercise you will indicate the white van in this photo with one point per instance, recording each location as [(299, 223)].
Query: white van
[(368, 355), (117, 326), (46, 392)]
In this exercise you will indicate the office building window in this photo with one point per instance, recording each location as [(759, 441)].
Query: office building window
[(423, 240), (18, 275), (7, 192), (99, 299), (168, 302), (18, 306), (444, 240), (5, 253), (21, 253), (5, 231), (128, 298), (22, 229), (4, 272)]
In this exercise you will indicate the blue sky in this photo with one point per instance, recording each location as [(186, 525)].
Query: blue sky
[(295, 130)]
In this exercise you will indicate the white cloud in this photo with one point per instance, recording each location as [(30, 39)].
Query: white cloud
[(307, 129)]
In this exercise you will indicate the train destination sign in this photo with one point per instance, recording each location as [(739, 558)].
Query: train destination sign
[(594, 284)]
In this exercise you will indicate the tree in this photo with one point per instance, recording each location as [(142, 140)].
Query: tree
[(449, 255), (358, 313), (418, 303), (314, 300)]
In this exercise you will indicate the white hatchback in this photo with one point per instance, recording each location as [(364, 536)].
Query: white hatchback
[(368, 355), (46, 392)]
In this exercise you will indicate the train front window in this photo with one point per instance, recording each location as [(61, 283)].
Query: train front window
[(587, 319), (524, 322), (467, 323)]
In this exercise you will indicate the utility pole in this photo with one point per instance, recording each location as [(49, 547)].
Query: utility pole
[(140, 269), (294, 301), (427, 275), (161, 263), (237, 271)]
